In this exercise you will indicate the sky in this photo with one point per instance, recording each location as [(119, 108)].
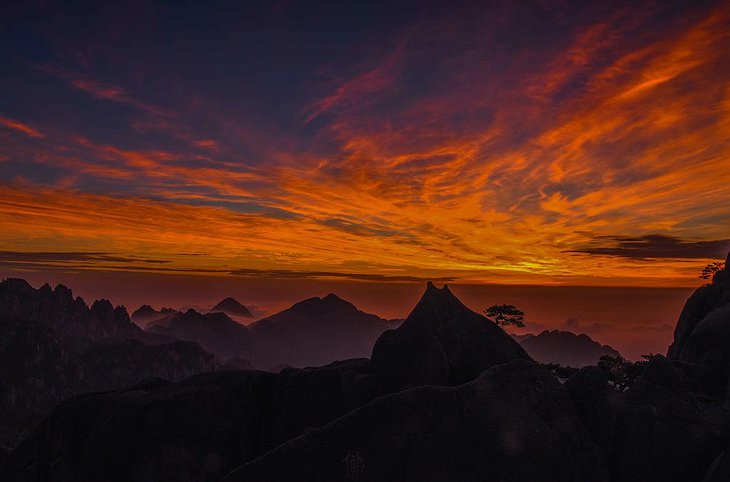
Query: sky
[(546, 143)]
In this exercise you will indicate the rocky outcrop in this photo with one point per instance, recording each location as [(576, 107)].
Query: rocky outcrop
[(565, 348), (54, 346), (315, 332), (69, 317), (231, 307), (702, 334), (195, 430), (215, 332), (442, 342), (663, 434), (513, 423)]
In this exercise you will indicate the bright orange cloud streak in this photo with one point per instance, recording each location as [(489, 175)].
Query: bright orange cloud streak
[(20, 127)]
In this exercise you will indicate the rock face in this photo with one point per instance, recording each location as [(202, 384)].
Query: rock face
[(314, 332), (194, 430), (597, 405), (232, 307), (720, 470), (513, 423), (702, 335), (662, 433), (565, 348), (442, 342), (215, 332)]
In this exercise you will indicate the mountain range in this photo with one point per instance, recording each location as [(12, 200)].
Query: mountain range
[(446, 395), (146, 315), (54, 346), (215, 332)]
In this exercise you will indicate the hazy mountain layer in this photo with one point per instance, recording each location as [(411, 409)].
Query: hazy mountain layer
[(564, 348)]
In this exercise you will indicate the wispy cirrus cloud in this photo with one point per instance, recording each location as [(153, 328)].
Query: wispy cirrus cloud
[(21, 127), (65, 257)]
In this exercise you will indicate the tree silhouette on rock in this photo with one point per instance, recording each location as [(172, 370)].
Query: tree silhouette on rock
[(506, 315), (709, 271)]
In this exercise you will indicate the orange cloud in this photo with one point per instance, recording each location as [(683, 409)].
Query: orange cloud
[(21, 127), (494, 175)]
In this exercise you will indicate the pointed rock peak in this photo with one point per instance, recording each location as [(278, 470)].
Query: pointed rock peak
[(443, 295), (144, 310), (62, 290), (334, 301), (229, 300), (442, 342), (332, 298), (121, 313), (102, 305)]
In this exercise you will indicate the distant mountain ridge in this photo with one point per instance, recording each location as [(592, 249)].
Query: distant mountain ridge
[(314, 332), (215, 332), (146, 315), (70, 317), (231, 307), (564, 348)]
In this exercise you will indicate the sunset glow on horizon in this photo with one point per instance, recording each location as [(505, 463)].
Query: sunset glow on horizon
[(514, 144)]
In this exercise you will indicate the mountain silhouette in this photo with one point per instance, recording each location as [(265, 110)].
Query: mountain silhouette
[(215, 332), (232, 307), (70, 318), (145, 315), (564, 348), (442, 342), (447, 396), (315, 332), (53, 347)]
